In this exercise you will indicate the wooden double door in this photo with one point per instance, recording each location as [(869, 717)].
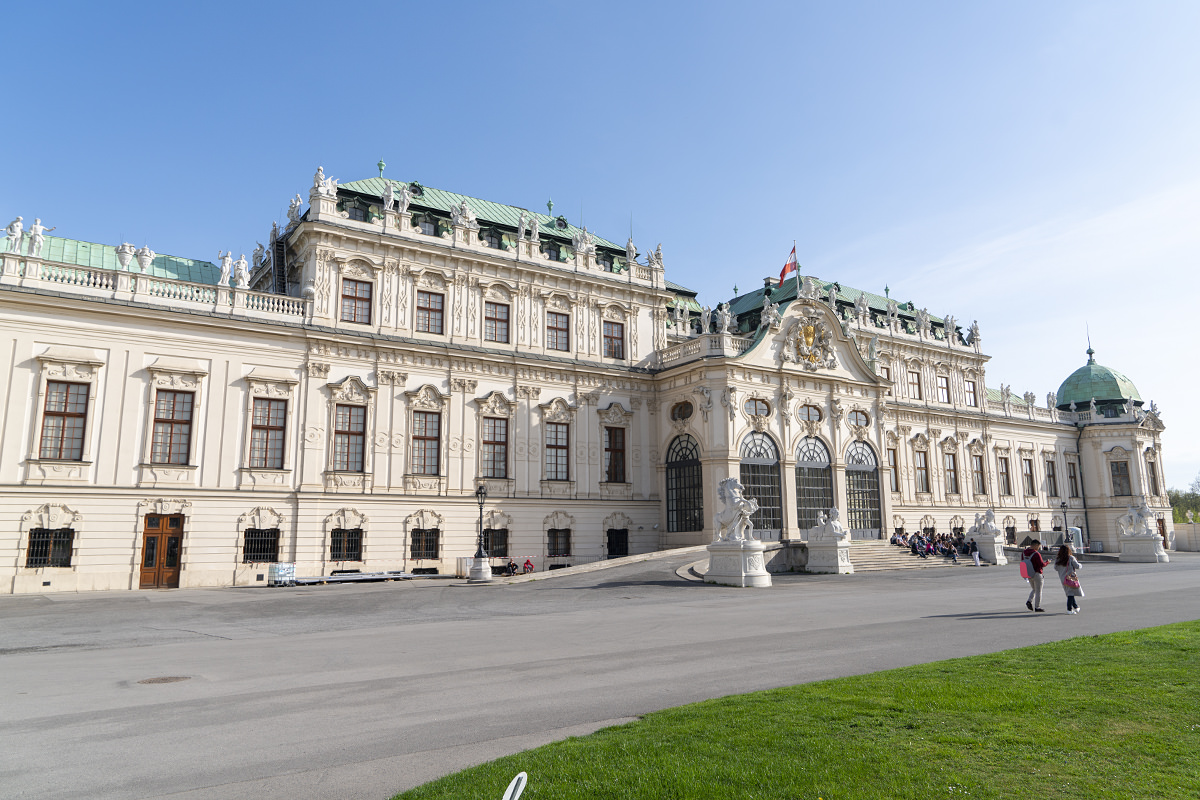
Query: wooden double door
[(162, 541)]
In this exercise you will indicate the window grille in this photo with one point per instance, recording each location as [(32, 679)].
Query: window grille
[(862, 489), (260, 545), (558, 542), (618, 542), (63, 421), (814, 482), (356, 301), (49, 547), (172, 428), (424, 545), (495, 542), (266, 434), (345, 544), (685, 495), (760, 478)]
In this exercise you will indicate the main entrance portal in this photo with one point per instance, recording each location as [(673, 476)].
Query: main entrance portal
[(162, 538)]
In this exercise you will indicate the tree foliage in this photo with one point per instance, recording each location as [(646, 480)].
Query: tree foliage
[(1182, 502)]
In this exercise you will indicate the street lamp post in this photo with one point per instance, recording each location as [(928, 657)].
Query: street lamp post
[(481, 570)]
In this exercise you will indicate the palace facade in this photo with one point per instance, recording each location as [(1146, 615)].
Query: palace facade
[(338, 402)]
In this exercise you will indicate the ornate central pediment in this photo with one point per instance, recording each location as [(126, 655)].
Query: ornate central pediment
[(809, 342)]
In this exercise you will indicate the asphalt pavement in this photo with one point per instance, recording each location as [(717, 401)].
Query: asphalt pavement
[(361, 691)]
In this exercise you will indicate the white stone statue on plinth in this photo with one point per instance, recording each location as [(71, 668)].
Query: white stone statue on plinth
[(1191, 518), (125, 252), (36, 237), (294, 209), (862, 308), (522, 226), (326, 187), (1140, 539), (145, 257), (242, 272), (259, 253), (16, 232), (770, 316), (226, 260), (403, 198), (724, 319), (705, 320), (990, 538), (829, 545), (389, 196), (736, 558), (462, 215)]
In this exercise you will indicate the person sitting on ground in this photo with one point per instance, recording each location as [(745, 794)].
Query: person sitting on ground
[(512, 567), (528, 565)]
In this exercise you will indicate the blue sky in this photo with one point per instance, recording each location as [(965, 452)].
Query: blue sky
[(1031, 165)]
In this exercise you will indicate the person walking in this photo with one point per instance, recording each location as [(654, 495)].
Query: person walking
[(1034, 562), (975, 551), (1067, 568)]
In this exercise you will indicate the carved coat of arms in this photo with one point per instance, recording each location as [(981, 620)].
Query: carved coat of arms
[(810, 344)]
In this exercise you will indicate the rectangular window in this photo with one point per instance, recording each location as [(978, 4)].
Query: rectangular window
[(495, 322), (1005, 479), (978, 482), (922, 462), (424, 544), (1073, 478), (349, 437), (914, 385), (266, 434), (1152, 474), (971, 399), (356, 301), (426, 442), (63, 421), (1120, 478), (260, 545), (951, 461), (495, 542), (893, 462), (429, 312), (614, 455), (943, 389), (49, 547), (558, 542), (1051, 479), (1027, 475), (886, 374), (557, 445), (614, 340), (172, 428), (345, 544), (495, 448), (558, 331)]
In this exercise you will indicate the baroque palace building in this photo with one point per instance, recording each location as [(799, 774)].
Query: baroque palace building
[(337, 400)]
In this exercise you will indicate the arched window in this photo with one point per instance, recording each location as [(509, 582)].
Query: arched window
[(685, 493), (859, 419), (810, 413), (756, 407), (862, 492), (814, 482), (761, 481)]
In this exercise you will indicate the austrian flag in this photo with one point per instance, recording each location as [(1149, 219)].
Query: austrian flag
[(789, 267)]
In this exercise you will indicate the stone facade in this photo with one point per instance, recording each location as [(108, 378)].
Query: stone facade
[(346, 424)]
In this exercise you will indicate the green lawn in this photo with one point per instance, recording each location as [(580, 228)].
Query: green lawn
[(1095, 717)]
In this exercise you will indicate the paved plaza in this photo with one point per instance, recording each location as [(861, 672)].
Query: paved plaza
[(360, 691)]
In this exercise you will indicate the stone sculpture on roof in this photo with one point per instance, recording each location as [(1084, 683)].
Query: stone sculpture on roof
[(705, 319), (655, 258), (1051, 400), (581, 242), (389, 196), (862, 308), (831, 298), (973, 333), (810, 344), (36, 237), (923, 325), (808, 289), (145, 257), (16, 231), (326, 187), (724, 319), (677, 316), (125, 253), (242, 272), (403, 197), (630, 251), (226, 260), (294, 209), (522, 226), (770, 316), (259, 252), (462, 215), (950, 329), (893, 314)]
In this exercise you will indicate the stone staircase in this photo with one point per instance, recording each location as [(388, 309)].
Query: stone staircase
[(878, 555)]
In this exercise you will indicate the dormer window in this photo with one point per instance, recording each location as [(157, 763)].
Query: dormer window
[(605, 261), (491, 238), (428, 225), (357, 213), (551, 251)]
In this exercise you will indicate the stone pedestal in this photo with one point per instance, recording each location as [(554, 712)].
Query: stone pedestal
[(1147, 549), (830, 556), (480, 572), (737, 563), (991, 549)]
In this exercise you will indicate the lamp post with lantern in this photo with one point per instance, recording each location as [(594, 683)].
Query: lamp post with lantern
[(481, 570)]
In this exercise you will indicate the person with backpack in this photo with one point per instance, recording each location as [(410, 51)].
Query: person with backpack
[(1034, 564), (1066, 566)]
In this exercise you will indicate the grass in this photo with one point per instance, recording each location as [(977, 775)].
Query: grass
[(1115, 716)]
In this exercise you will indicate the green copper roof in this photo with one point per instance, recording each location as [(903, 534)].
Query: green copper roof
[(104, 256), (1095, 381), (485, 210), (752, 301)]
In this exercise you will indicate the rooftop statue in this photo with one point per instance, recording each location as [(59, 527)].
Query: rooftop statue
[(923, 322), (36, 237), (733, 522), (973, 332), (389, 196), (522, 226), (259, 252), (145, 257), (581, 241), (862, 308), (951, 329), (808, 289), (294, 209), (16, 231), (831, 298), (677, 316), (125, 253), (770, 316), (705, 319), (655, 259), (1051, 400), (226, 260), (630, 251), (242, 272), (462, 215), (403, 197), (724, 319), (893, 314), (327, 187), (828, 528)]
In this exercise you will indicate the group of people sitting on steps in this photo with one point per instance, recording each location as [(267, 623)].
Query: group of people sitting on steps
[(936, 544)]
